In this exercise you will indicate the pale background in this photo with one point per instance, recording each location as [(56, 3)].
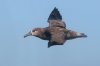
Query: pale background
[(17, 17)]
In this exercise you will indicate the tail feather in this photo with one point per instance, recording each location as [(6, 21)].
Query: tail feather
[(55, 15)]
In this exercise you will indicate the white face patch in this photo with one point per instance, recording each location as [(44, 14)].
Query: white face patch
[(34, 33), (78, 34)]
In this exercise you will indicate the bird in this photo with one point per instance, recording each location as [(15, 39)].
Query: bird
[(56, 33)]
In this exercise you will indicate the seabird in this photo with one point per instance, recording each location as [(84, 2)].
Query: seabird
[(56, 33)]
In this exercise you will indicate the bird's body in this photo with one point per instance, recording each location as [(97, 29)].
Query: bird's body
[(56, 33)]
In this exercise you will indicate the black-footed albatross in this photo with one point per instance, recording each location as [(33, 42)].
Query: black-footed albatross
[(56, 33)]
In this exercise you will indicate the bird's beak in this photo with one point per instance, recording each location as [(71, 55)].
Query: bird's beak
[(83, 35), (28, 34)]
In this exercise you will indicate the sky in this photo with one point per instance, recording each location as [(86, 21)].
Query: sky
[(17, 17)]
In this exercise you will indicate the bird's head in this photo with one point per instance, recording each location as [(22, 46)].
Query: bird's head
[(73, 34), (34, 32)]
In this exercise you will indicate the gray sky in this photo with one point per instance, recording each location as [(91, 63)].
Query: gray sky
[(17, 17)]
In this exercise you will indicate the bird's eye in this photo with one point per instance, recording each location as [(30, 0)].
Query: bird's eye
[(33, 30)]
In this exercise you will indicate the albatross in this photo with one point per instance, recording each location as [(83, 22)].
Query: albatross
[(56, 33)]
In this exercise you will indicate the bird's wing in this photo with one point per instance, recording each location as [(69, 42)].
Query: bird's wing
[(57, 37), (55, 19)]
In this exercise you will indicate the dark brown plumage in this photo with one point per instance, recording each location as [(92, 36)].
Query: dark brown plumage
[(56, 33)]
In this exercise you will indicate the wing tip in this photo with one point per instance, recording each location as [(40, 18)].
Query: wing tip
[(55, 15)]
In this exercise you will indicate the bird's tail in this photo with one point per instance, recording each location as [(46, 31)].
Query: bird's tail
[(55, 15)]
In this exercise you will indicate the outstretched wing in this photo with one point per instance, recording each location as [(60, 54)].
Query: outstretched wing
[(55, 19)]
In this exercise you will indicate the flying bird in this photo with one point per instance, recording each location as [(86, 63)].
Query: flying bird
[(56, 33)]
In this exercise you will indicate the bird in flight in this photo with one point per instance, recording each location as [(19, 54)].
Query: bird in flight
[(56, 33)]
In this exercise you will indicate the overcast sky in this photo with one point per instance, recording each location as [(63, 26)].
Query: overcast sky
[(17, 17)]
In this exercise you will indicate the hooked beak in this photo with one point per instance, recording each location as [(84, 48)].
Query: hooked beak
[(28, 34), (83, 35)]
